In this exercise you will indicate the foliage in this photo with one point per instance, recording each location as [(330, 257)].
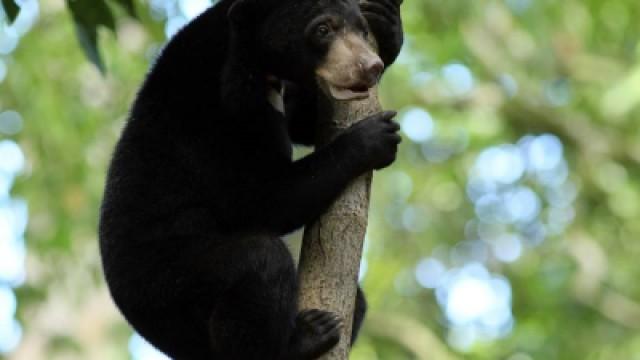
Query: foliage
[(10, 8), (485, 73), (88, 17)]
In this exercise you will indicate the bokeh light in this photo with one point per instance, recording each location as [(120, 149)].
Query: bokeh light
[(500, 165), (430, 273), (10, 329), (476, 303), (557, 92), (13, 211), (10, 122), (13, 222), (12, 157), (177, 13), (519, 6), (513, 184), (140, 349), (458, 78), (418, 125), (521, 194), (3, 70), (508, 84), (8, 39)]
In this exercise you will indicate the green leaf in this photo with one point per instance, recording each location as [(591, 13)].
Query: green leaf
[(129, 6), (11, 9), (92, 13), (88, 16), (88, 39)]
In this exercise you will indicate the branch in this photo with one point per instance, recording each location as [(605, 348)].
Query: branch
[(332, 246)]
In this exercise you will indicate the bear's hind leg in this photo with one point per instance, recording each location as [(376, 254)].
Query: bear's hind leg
[(251, 321), (257, 316), (316, 332), (358, 314)]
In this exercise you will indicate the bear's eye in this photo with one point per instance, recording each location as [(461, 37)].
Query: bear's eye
[(323, 30)]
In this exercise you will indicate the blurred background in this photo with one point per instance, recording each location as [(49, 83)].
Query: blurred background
[(507, 229)]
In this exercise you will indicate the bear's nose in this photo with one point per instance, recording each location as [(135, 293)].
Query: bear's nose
[(373, 70)]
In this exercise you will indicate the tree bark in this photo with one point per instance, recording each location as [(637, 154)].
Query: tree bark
[(332, 246)]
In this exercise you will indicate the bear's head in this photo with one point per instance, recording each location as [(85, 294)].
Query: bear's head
[(324, 42)]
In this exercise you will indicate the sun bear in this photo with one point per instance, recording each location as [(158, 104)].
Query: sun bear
[(202, 184)]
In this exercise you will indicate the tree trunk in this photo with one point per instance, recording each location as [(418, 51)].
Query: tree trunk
[(332, 246)]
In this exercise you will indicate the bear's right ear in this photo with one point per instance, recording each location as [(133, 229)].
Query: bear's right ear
[(243, 13)]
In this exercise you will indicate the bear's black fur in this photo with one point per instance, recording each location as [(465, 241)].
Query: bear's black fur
[(202, 183)]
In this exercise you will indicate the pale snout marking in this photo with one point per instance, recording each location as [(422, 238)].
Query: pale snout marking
[(345, 71)]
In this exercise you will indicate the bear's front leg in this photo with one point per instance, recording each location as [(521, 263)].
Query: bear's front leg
[(290, 197)]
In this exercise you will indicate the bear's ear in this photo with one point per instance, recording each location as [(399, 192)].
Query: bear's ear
[(243, 13)]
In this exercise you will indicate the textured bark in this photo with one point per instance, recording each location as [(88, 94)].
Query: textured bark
[(332, 246)]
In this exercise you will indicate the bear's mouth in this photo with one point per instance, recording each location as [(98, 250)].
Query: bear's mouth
[(355, 92)]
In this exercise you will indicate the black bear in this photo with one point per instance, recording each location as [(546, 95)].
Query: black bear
[(202, 184)]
